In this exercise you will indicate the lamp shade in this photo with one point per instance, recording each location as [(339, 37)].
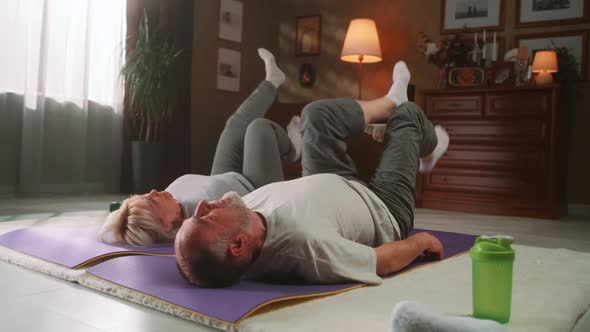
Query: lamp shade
[(545, 61), (361, 40)]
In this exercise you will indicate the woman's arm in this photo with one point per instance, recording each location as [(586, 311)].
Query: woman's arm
[(394, 256)]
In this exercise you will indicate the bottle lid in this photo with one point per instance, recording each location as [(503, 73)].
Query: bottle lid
[(493, 248), (114, 206)]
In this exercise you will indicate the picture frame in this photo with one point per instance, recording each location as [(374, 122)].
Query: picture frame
[(532, 13), (308, 35), (228, 70), (502, 74), (576, 41), (231, 17), (471, 15), (307, 75)]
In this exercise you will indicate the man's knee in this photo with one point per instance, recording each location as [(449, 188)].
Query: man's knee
[(313, 114)]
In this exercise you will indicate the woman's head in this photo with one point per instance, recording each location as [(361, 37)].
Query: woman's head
[(143, 220)]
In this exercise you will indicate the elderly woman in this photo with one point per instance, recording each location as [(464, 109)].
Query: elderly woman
[(248, 156)]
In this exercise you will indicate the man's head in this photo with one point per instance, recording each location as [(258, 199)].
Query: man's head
[(143, 220), (215, 246)]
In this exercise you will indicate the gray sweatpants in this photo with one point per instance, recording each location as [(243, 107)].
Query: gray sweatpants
[(409, 135), (251, 145)]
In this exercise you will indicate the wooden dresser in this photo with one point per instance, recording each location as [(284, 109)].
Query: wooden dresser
[(503, 155)]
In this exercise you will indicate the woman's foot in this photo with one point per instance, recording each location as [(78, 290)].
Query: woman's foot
[(295, 136), (274, 74)]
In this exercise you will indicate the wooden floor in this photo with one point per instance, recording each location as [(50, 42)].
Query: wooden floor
[(33, 301)]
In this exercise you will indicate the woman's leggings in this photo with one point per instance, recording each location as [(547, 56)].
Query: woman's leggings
[(251, 145)]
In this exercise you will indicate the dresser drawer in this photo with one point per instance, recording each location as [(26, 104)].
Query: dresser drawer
[(455, 106), (530, 130), (519, 104), (508, 157), (516, 184)]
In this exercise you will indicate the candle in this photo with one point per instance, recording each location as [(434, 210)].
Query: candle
[(484, 36), (495, 49), (474, 56)]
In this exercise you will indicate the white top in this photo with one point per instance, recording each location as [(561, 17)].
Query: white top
[(190, 189), (321, 229)]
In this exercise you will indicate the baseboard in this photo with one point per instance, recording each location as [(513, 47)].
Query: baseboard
[(73, 188), (7, 190), (578, 210)]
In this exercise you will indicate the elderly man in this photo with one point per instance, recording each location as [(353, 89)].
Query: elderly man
[(327, 226)]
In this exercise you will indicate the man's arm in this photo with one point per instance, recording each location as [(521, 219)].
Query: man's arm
[(394, 256)]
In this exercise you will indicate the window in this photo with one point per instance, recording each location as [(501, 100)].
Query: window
[(67, 50)]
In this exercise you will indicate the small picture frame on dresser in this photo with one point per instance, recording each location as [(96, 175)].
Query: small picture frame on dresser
[(502, 73)]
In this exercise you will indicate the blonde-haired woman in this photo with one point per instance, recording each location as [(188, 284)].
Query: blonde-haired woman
[(248, 156)]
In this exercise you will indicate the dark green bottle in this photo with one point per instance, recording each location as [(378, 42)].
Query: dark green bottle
[(114, 206)]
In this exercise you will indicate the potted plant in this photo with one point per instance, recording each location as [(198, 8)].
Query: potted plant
[(150, 76)]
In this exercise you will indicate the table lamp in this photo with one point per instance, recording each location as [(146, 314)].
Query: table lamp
[(545, 63), (361, 45)]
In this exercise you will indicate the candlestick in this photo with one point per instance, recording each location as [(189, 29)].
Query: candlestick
[(495, 49), (475, 47)]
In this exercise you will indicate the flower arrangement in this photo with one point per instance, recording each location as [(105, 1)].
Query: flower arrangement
[(453, 51)]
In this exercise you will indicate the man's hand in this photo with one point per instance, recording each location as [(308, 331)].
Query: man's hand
[(394, 256), (431, 245)]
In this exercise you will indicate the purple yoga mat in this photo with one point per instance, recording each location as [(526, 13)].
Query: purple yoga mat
[(72, 247), (159, 278)]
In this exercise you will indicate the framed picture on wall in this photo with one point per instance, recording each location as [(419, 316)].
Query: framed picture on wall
[(308, 34), (471, 15), (575, 41), (231, 13), (543, 12), (228, 70)]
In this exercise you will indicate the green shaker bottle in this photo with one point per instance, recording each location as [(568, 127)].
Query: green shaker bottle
[(492, 258), (114, 206)]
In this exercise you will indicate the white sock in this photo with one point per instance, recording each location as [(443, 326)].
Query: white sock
[(274, 74), (399, 89), (427, 164), (376, 131), (414, 317), (295, 136)]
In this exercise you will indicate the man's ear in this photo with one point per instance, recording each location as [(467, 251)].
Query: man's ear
[(238, 245), (203, 208)]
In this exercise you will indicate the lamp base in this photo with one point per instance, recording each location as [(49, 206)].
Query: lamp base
[(544, 78)]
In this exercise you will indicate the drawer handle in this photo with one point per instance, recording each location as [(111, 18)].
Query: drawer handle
[(454, 105), (444, 179)]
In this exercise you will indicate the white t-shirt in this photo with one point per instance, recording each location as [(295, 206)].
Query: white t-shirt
[(322, 229), (190, 189)]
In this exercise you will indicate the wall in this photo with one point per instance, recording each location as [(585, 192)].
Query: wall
[(399, 23), (210, 107)]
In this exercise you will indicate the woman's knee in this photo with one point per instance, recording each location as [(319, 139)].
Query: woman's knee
[(260, 129)]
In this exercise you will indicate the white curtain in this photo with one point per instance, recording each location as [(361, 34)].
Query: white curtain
[(61, 97)]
